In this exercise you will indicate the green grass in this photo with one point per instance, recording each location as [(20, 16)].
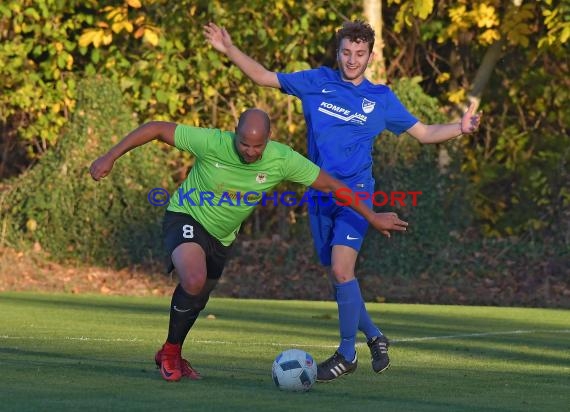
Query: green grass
[(95, 353)]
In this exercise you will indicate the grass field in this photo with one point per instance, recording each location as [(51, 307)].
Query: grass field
[(95, 353)]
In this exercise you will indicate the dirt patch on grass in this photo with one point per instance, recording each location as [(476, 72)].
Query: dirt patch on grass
[(33, 271), (261, 269)]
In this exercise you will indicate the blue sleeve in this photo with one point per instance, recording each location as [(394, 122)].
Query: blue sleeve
[(297, 83), (398, 118)]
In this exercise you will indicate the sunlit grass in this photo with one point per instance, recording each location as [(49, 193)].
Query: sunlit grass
[(68, 352)]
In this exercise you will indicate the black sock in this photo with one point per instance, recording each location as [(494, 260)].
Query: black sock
[(184, 310)]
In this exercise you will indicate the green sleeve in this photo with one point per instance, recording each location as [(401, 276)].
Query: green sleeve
[(193, 139), (299, 169)]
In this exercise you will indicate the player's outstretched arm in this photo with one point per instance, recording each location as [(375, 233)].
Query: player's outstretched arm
[(220, 40), (163, 131), (382, 222), (438, 133)]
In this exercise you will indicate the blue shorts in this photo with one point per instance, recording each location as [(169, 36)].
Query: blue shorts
[(332, 224)]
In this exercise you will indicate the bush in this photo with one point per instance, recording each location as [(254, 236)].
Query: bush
[(59, 206), (443, 209)]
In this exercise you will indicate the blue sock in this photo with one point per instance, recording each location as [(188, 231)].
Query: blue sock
[(349, 301), (366, 325)]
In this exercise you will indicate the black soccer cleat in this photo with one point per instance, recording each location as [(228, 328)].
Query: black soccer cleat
[(335, 367), (379, 353)]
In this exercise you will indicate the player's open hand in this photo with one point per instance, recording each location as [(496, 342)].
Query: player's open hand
[(101, 167), (470, 120), (385, 222), (218, 37)]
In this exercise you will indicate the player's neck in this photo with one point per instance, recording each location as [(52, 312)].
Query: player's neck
[(356, 81)]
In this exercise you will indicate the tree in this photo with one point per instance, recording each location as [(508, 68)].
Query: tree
[(484, 49), (373, 13)]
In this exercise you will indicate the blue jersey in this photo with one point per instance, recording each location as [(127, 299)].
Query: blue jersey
[(343, 120)]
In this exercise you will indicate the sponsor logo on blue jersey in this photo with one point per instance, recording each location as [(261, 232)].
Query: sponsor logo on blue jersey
[(344, 114)]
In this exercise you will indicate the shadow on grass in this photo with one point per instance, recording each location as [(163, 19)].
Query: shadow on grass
[(316, 322), (85, 302)]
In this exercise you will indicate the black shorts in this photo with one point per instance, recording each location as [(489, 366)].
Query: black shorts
[(181, 228)]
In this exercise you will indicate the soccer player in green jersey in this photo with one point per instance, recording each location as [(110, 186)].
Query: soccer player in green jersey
[(232, 169)]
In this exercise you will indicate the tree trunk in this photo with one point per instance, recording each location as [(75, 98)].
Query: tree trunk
[(492, 56), (377, 70)]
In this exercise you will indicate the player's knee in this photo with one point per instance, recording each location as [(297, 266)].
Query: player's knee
[(341, 274), (193, 285)]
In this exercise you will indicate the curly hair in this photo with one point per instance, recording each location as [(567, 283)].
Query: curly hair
[(356, 31)]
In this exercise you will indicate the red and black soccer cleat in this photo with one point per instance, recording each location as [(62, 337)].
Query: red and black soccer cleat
[(172, 365)]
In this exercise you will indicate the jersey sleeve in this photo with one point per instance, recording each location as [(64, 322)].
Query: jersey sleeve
[(398, 118), (193, 139), (299, 169), (297, 83)]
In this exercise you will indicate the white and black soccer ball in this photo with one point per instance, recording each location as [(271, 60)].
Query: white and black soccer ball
[(294, 370)]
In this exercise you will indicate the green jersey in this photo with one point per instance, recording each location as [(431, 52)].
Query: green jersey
[(221, 191)]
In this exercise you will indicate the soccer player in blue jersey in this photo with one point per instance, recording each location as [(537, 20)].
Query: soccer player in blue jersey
[(344, 113)]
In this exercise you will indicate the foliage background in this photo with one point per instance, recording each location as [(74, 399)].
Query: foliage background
[(56, 206), (494, 209)]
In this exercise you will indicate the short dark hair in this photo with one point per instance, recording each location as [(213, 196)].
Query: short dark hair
[(356, 31)]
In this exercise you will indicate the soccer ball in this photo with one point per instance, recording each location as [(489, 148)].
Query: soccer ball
[(294, 370)]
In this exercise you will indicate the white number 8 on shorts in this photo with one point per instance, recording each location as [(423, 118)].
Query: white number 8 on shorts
[(188, 231)]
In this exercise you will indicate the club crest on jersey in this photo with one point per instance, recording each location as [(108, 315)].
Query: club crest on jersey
[(367, 105), (261, 177)]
